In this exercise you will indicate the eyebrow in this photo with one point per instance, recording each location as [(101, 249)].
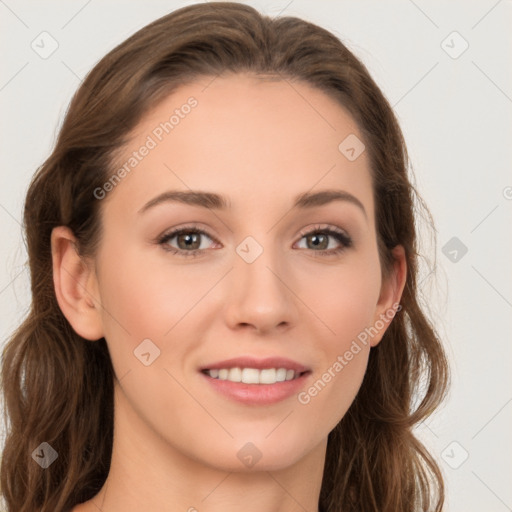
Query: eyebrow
[(214, 201)]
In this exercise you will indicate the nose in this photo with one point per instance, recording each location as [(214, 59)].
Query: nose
[(260, 295)]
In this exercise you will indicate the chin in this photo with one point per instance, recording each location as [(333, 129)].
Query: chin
[(260, 454)]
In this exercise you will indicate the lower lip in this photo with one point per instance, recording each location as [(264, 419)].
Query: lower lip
[(257, 394)]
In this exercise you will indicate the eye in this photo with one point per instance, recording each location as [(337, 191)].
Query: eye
[(188, 239), (319, 240)]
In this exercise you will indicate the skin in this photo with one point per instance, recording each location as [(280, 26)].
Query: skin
[(261, 143)]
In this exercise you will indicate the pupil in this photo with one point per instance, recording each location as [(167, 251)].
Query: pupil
[(190, 239), (316, 241)]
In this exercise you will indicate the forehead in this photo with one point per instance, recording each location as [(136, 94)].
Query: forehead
[(243, 135)]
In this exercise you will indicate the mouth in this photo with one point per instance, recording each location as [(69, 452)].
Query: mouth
[(254, 375), (256, 381)]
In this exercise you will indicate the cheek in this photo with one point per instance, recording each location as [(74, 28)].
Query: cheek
[(152, 300), (341, 369), (345, 302), (137, 305), (328, 397), (145, 299), (343, 298)]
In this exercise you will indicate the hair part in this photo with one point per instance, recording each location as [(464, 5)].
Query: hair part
[(58, 386)]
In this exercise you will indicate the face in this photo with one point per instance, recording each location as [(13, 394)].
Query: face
[(292, 291)]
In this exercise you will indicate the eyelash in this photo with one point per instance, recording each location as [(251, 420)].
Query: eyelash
[(339, 235)]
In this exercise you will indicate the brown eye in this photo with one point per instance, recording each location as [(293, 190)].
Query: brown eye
[(318, 241), (189, 241)]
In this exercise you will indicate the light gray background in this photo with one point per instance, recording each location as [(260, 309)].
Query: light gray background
[(455, 113)]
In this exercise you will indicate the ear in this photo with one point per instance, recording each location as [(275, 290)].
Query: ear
[(76, 285), (390, 295)]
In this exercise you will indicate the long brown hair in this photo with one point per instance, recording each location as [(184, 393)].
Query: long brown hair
[(58, 387)]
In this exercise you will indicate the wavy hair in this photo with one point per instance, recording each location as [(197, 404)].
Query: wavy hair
[(58, 386)]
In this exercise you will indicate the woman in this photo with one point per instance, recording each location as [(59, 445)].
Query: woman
[(223, 260)]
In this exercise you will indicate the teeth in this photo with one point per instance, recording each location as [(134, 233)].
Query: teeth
[(253, 375), (268, 376), (250, 376), (235, 375), (281, 375)]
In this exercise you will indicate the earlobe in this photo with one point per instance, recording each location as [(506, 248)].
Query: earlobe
[(75, 285), (391, 293)]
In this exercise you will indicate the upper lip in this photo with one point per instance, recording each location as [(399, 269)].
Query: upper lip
[(260, 364)]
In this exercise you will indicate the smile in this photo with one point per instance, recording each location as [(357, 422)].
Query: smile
[(254, 375), (254, 381)]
